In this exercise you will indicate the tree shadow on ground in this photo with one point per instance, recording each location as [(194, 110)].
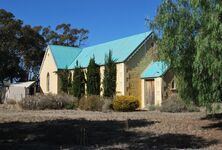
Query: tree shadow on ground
[(85, 134), (214, 117), (173, 141), (217, 124)]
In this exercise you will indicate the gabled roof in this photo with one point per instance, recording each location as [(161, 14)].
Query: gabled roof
[(64, 55), (121, 49), (155, 69)]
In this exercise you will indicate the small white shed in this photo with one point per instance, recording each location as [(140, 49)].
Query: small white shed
[(18, 91)]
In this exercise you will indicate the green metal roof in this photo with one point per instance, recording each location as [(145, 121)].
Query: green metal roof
[(121, 50), (155, 69), (64, 55)]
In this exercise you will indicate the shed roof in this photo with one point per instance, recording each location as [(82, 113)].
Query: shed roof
[(121, 49), (155, 69), (23, 84)]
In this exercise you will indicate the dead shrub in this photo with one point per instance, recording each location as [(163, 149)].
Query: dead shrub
[(173, 104), (91, 103), (153, 107), (2, 94), (11, 101), (41, 102), (107, 106)]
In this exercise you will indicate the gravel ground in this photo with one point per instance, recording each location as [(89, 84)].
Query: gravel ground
[(75, 129)]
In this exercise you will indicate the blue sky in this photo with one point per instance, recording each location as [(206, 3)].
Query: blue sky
[(105, 19)]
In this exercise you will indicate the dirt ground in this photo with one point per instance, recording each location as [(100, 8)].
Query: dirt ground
[(75, 129)]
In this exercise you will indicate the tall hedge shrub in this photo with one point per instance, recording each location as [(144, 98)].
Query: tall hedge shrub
[(109, 80), (93, 78), (64, 77), (78, 84)]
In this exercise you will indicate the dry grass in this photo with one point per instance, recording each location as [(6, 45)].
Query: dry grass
[(75, 129)]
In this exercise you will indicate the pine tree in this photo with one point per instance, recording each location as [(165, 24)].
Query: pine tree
[(109, 81), (64, 77), (93, 78), (78, 84)]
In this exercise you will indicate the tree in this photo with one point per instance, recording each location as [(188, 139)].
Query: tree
[(177, 29), (189, 39), (78, 84), (64, 77), (64, 34), (31, 45), (208, 60), (109, 80), (9, 55), (93, 78), (22, 46)]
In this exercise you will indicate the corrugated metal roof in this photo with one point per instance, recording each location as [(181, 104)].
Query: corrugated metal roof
[(121, 50), (64, 55), (155, 69)]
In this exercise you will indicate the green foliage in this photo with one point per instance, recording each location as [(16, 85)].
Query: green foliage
[(109, 81), (125, 103), (64, 34), (41, 102), (93, 78), (92, 103), (64, 76), (190, 41), (208, 60), (176, 43), (78, 84), (22, 46)]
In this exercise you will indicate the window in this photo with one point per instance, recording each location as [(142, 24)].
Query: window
[(47, 82), (173, 85)]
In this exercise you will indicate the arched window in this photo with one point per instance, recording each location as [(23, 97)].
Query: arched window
[(47, 82), (173, 85)]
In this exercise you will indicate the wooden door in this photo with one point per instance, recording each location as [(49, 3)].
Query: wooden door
[(149, 92)]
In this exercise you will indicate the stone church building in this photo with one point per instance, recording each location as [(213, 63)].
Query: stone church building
[(139, 73)]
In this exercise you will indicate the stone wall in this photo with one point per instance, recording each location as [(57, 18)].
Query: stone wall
[(137, 64)]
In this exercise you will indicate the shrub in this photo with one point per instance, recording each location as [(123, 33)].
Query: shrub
[(173, 104), (153, 107), (92, 103), (107, 106), (41, 102), (11, 101), (192, 108), (125, 103)]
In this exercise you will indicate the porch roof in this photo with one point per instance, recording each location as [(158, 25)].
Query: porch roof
[(155, 69)]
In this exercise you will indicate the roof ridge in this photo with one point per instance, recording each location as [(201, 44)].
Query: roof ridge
[(64, 46), (118, 39), (127, 45)]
